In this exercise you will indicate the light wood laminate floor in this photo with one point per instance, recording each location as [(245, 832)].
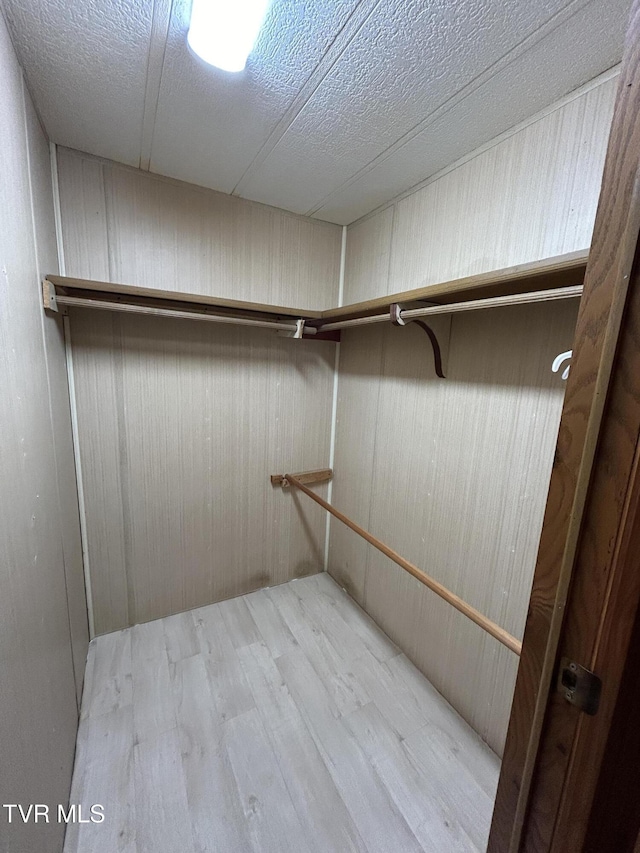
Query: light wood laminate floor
[(284, 720)]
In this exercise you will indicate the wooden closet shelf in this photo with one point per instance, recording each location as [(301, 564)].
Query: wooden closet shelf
[(547, 275), (125, 293)]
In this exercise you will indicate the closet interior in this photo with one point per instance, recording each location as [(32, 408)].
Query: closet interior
[(274, 475)]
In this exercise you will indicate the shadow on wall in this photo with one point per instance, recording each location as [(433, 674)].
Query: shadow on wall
[(511, 346), (194, 340), (453, 474), (181, 423)]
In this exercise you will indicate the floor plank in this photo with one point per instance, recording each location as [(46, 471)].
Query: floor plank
[(105, 777), (455, 784), (268, 808), (281, 720), (336, 674), (391, 695), (322, 813), (380, 646), (431, 817), (87, 688), (214, 804), (481, 761), (181, 638), (111, 677), (231, 693), (213, 635), (242, 629), (380, 824), (162, 813), (273, 629), (153, 711)]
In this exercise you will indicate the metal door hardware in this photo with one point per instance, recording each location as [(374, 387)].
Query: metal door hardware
[(579, 686)]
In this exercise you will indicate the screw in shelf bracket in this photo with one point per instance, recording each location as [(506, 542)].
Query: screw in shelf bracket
[(49, 296)]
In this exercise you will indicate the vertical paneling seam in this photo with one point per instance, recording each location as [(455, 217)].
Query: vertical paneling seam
[(334, 399), (121, 421), (52, 444), (392, 229), (123, 464), (73, 409), (380, 377), (75, 437)]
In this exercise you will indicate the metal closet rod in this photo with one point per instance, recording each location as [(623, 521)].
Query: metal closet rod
[(184, 315), (451, 598), (455, 307)]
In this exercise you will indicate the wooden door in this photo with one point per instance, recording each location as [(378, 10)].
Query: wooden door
[(586, 588)]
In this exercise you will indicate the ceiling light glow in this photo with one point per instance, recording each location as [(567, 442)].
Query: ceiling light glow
[(223, 32)]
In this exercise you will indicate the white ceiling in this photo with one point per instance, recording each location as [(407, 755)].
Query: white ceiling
[(343, 105)]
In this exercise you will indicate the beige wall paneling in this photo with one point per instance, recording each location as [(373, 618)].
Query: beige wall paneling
[(458, 485), (181, 425), (461, 466), (368, 257), (38, 716), (95, 382), (356, 413), (127, 226), (83, 215), (47, 260), (530, 194)]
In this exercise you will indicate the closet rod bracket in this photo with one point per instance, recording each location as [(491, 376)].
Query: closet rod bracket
[(321, 475), (299, 332), (395, 310), (49, 296)]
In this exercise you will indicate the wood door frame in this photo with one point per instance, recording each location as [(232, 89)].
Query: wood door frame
[(614, 821), (582, 563)]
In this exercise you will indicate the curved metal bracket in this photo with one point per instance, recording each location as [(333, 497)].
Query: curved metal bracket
[(397, 320)]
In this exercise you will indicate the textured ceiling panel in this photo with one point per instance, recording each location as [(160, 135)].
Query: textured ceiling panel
[(86, 65), (398, 70), (531, 83), (210, 125), (343, 105)]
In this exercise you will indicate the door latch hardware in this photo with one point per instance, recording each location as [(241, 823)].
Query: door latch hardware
[(579, 686)]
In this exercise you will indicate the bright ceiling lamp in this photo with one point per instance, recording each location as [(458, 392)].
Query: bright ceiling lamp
[(223, 32)]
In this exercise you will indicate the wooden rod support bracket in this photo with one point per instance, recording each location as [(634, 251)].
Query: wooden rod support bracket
[(49, 296), (395, 310), (322, 475)]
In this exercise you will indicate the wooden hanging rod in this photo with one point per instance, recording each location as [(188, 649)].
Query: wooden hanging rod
[(81, 302), (573, 292), (455, 601), (56, 296), (302, 327)]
